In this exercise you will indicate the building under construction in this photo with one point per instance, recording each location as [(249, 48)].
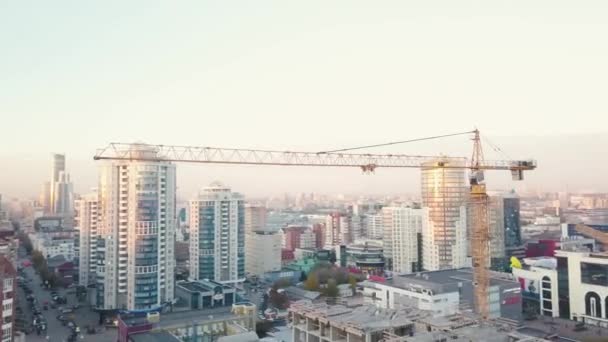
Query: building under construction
[(337, 323)]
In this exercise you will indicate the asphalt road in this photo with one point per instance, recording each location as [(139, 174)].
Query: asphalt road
[(56, 332)]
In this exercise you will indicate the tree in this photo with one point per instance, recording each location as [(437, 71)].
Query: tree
[(312, 282), (25, 242), (353, 284), (37, 260), (332, 289)]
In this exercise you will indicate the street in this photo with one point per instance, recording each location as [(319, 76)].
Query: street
[(56, 332)]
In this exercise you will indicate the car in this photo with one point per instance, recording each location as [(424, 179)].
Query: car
[(66, 311)]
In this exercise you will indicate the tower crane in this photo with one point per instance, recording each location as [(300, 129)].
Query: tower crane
[(367, 162)]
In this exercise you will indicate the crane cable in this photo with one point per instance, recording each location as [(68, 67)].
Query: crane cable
[(396, 142)]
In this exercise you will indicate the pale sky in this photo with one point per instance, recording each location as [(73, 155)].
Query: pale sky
[(311, 75)]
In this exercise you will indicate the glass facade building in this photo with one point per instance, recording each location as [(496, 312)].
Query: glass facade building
[(444, 193)]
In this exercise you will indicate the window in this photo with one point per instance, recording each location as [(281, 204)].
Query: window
[(594, 274), (8, 284), (593, 306)]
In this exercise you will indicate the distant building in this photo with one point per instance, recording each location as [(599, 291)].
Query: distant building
[(402, 238), (375, 229), (297, 237), (263, 253), (57, 169), (505, 228), (86, 220), (444, 235), (217, 235), (319, 231), (366, 257), (8, 282), (338, 229)]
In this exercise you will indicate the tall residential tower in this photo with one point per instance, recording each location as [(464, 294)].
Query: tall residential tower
[(217, 235), (136, 231)]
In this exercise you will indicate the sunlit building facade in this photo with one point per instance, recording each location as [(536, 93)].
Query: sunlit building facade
[(444, 234), (136, 232)]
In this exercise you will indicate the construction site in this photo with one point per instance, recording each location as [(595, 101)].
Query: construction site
[(324, 323)]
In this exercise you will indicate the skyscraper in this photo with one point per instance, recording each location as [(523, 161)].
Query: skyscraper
[(217, 235), (402, 237), (444, 234), (63, 196), (86, 223), (136, 230), (58, 168)]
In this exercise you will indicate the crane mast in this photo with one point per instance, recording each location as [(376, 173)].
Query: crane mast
[(480, 230), (478, 198)]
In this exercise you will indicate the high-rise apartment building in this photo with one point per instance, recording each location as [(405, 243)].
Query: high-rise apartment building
[(136, 230), (86, 219), (217, 235), (338, 230), (444, 235), (402, 238), (375, 230), (8, 284)]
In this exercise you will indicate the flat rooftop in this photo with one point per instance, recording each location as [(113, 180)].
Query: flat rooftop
[(444, 280), (181, 317)]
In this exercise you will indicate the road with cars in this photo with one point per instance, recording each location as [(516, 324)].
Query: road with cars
[(56, 331)]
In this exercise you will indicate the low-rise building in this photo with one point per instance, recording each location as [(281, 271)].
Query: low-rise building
[(445, 292), (207, 324), (205, 294)]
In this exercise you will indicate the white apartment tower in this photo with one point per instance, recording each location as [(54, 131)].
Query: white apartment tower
[(86, 223), (136, 231), (217, 235), (402, 236), (444, 235)]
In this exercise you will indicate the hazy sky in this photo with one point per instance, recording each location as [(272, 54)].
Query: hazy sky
[(75, 75)]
